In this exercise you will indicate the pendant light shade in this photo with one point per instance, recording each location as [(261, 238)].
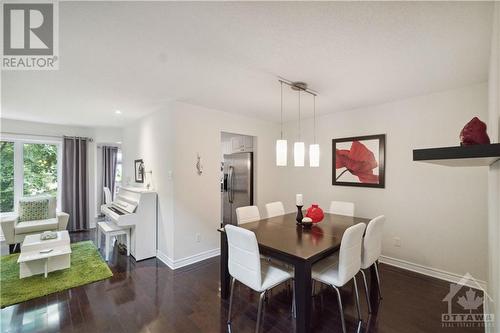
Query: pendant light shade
[(314, 148), (314, 155), (298, 154), (299, 147), (281, 152), (281, 145)]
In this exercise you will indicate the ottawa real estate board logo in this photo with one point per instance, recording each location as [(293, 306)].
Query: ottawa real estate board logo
[(30, 36)]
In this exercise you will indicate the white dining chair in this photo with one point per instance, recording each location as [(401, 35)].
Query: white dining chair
[(340, 268), (275, 209), (371, 251), (342, 208), (247, 214), (246, 266)]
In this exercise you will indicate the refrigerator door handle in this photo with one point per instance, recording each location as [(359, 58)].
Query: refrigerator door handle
[(230, 193)]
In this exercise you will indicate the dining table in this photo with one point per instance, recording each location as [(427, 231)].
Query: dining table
[(282, 238)]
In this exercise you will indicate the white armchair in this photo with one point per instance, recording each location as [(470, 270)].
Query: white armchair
[(15, 231)]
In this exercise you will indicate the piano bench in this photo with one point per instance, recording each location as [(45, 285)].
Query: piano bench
[(110, 229)]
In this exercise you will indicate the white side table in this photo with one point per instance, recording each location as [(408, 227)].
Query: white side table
[(32, 261)]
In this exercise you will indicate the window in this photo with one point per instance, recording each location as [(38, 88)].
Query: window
[(40, 169), (118, 176), (6, 176), (27, 168)]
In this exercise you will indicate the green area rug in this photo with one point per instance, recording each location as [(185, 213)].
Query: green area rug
[(86, 266)]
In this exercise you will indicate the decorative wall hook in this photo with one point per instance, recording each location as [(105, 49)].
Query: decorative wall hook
[(199, 166)]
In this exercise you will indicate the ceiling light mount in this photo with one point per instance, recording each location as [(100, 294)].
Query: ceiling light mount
[(299, 86)]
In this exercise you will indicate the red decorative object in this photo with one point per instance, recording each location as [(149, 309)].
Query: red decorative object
[(359, 161), (474, 133), (315, 213)]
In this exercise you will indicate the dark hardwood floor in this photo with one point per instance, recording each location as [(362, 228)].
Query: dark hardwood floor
[(147, 296)]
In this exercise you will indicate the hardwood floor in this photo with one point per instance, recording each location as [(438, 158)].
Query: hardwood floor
[(148, 297)]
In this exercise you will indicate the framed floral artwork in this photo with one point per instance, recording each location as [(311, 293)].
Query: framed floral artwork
[(359, 161)]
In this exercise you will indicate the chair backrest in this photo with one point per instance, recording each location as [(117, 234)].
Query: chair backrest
[(275, 209), (107, 196), (342, 208), (247, 214), (350, 252), (244, 256), (372, 243)]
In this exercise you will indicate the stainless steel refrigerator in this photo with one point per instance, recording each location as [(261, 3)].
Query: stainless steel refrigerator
[(237, 187)]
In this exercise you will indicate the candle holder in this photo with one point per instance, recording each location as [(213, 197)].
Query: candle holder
[(299, 215)]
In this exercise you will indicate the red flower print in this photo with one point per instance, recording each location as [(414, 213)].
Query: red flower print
[(359, 161)]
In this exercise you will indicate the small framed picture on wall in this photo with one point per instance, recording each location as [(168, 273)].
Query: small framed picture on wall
[(359, 161), (139, 171)]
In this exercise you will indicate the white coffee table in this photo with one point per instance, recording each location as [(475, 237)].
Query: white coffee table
[(32, 261)]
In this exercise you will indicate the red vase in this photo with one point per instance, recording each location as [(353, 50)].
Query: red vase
[(315, 213)]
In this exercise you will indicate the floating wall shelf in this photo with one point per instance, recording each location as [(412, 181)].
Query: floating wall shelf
[(475, 155)]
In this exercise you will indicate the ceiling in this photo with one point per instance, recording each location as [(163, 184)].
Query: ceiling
[(138, 56)]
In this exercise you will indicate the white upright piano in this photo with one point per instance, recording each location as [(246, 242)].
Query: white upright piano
[(136, 208)]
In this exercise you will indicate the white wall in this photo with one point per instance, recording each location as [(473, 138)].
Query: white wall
[(151, 139), (494, 174), (38, 130), (440, 213), (169, 140)]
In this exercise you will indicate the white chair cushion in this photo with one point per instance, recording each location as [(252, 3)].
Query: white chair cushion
[(27, 227), (273, 275), (327, 270), (247, 214), (372, 242), (275, 209), (342, 208)]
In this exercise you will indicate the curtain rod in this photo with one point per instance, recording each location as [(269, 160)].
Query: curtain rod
[(47, 136)]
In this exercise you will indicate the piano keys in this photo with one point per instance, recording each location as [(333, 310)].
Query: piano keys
[(136, 208)]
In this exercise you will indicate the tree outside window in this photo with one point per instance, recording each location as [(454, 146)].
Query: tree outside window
[(6, 176)]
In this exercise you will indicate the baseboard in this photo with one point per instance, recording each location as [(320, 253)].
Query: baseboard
[(429, 271), (175, 264), (165, 259)]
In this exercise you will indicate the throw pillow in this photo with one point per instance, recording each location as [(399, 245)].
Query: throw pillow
[(31, 209)]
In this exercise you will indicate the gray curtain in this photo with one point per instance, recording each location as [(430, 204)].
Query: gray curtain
[(75, 182), (109, 155)]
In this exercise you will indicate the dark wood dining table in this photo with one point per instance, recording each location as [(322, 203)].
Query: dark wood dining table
[(280, 237)]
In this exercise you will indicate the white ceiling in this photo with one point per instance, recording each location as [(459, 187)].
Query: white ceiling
[(137, 56)]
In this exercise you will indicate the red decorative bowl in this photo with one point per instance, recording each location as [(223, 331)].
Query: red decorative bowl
[(315, 213)]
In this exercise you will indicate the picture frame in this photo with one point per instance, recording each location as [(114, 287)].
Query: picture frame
[(139, 171), (359, 161)]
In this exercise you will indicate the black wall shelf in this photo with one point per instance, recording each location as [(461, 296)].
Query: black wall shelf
[(475, 155)]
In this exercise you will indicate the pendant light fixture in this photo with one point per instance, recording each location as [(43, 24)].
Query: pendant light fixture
[(299, 147), (281, 144), (314, 147)]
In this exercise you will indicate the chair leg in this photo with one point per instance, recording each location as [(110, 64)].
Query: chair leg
[(259, 311), (357, 297), (378, 280), (98, 238), (230, 301), (128, 243), (294, 306), (341, 309), (107, 247), (366, 292)]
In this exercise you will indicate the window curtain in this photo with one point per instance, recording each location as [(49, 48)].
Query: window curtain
[(109, 159), (75, 182)]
